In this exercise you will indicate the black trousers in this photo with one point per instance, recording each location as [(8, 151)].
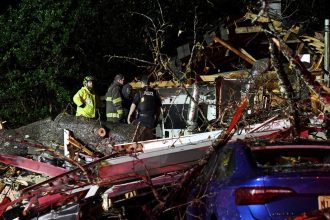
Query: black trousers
[(143, 133)]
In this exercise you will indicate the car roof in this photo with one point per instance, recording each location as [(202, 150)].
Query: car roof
[(293, 146)]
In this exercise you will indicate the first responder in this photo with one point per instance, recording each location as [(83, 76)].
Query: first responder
[(85, 99), (114, 100), (148, 104)]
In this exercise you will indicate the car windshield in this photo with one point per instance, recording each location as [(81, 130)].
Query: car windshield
[(292, 158)]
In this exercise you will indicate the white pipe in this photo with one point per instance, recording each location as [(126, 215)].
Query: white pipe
[(326, 51), (192, 114)]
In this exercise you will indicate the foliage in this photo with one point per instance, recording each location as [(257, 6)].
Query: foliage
[(38, 54)]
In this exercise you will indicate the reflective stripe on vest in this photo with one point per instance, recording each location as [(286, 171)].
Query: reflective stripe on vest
[(117, 100), (115, 115)]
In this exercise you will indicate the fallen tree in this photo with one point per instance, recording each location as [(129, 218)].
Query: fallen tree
[(97, 136)]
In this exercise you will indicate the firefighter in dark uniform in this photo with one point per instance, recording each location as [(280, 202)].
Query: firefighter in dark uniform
[(148, 104), (114, 107)]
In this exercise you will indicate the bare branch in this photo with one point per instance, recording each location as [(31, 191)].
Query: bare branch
[(128, 58)]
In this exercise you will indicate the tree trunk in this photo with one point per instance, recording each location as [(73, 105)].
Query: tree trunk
[(91, 133)]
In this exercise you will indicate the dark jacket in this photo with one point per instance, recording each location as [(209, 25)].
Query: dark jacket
[(127, 95), (148, 105), (114, 109)]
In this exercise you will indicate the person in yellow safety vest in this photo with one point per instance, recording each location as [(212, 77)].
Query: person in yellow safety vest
[(114, 100), (85, 99)]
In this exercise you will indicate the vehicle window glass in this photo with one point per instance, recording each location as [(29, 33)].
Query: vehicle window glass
[(218, 166), (224, 164), (292, 159)]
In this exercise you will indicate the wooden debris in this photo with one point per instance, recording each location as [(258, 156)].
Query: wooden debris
[(262, 19), (248, 29), (2, 124), (317, 44), (100, 132), (78, 145), (247, 54), (234, 50)]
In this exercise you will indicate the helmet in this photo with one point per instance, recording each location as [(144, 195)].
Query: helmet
[(88, 78)]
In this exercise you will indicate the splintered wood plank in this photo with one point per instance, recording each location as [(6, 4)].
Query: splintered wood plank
[(250, 29), (234, 50)]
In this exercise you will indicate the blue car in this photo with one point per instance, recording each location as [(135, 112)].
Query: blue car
[(262, 182)]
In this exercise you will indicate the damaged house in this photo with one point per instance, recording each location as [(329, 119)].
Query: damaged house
[(235, 103)]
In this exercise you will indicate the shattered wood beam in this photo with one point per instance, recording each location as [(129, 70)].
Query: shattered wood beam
[(251, 29), (227, 75), (234, 50), (318, 44), (78, 145), (318, 63), (247, 54), (293, 29), (277, 24), (263, 19)]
